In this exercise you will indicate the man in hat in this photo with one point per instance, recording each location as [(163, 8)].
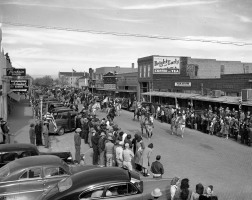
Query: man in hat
[(77, 144), (95, 141), (45, 133), (156, 193), (127, 155)]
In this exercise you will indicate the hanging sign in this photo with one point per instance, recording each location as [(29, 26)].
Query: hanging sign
[(15, 72)]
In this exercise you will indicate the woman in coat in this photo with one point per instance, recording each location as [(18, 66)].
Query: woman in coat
[(138, 155), (145, 161)]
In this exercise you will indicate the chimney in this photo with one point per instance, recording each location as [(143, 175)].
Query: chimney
[(132, 65)]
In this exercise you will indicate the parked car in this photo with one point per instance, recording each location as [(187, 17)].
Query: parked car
[(10, 152), (108, 182), (63, 121), (28, 178)]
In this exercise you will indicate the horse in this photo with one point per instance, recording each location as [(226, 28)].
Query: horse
[(180, 124), (138, 113)]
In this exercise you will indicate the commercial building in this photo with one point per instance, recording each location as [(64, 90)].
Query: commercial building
[(70, 78), (206, 77), (83, 81)]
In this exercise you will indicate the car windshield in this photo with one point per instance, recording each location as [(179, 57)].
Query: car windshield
[(4, 171)]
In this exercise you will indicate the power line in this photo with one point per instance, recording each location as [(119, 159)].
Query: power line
[(129, 34)]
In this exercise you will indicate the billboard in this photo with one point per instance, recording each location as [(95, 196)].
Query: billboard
[(166, 65)]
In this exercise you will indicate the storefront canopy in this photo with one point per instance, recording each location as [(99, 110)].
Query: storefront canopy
[(14, 96)]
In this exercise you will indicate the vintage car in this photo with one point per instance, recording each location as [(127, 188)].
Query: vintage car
[(10, 152), (107, 182), (28, 178), (53, 105), (63, 120)]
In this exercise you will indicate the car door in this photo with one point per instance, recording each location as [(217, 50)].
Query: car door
[(52, 175), (31, 183)]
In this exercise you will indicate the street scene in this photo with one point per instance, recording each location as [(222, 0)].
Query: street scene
[(125, 100)]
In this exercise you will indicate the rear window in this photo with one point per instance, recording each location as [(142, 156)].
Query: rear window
[(4, 171)]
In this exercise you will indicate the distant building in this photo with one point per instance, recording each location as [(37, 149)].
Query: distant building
[(70, 78), (83, 82)]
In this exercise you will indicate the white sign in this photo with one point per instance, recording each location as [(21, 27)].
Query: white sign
[(166, 65), (183, 84)]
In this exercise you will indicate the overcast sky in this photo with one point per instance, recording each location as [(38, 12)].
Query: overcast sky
[(47, 51)]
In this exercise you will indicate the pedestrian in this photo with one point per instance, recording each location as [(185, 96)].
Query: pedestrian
[(139, 151), (199, 191), (32, 133), (174, 186), (95, 141), (157, 168), (85, 129), (183, 193), (156, 193), (127, 155), (38, 130), (45, 133), (119, 157), (109, 151), (77, 144), (101, 146), (145, 161), (5, 131)]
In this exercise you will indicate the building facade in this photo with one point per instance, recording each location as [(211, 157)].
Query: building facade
[(83, 82), (70, 78), (190, 75)]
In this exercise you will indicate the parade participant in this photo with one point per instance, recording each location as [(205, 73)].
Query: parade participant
[(32, 133), (119, 157), (174, 186), (45, 133), (145, 162), (157, 168), (109, 152), (77, 144), (173, 123), (127, 155), (101, 146)]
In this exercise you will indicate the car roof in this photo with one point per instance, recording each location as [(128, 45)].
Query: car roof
[(33, 161), (100, 175), (18, 147)]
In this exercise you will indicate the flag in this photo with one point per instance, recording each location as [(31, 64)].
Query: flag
[(73, 70)]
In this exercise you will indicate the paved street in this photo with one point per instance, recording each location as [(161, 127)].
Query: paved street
[(210, 160)]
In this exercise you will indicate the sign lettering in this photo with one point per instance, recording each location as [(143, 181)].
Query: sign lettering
[(183, 84), (166, 65)]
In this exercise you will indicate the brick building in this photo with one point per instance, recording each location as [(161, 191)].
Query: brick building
[(190, 75)]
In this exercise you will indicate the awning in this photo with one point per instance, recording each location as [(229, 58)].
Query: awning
[(14, 96)]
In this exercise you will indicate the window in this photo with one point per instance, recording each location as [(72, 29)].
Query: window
[(31, 173), (222, 69), (148, 70), (92, 194), (144, 71), (140, 71), (121, 190), (54, 171)]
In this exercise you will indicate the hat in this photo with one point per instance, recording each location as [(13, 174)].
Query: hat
[(78, 130), (156, 193), (126, 145), (46, 122), (103, 134)]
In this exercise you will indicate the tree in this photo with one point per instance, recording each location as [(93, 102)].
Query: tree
[(45, 81)]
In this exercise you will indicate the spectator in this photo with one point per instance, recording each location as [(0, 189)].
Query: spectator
[(32, 133), (119, 153), (199, 191), (101, 146), (139, 151), (146, 159), (128, 140), (38, 130), (183, 193), (95, 140), (208, 194), (156, 193), (45, 133), (174, 186), (157, 168), (77, 144), (127, 155), (109, 151)]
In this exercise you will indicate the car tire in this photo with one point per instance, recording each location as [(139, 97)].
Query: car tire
[(61, 131)]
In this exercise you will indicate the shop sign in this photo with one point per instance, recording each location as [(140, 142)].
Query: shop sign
[(183, 84), (19, 82), (166, 65), (16, 72)]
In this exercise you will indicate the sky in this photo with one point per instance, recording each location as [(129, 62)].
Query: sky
[(76, 34)]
